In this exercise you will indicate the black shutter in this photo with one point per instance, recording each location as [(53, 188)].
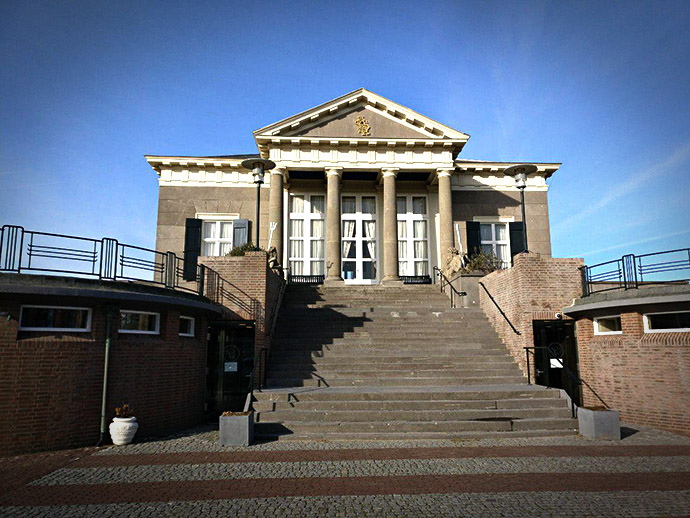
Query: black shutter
[(474, 239), (192, 248), (240, 232), (517, 243)]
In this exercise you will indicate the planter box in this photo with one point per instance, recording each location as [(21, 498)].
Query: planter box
[(599, 424), (236, 430)]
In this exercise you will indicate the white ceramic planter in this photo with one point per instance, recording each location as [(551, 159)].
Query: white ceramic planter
[(122, 430)]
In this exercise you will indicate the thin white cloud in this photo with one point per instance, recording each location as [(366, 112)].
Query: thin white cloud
[(640, 179), (632, 243)]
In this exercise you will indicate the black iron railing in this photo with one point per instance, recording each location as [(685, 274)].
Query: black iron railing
[(305, 279), (29, 251), (631, 271), (444, 282), (557, 355), (415, 279), (500, 310)]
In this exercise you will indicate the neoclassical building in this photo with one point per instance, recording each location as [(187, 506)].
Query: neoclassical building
[(364, 191)]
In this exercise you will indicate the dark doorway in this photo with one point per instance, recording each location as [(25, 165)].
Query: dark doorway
[(230, 361), (554, 340)]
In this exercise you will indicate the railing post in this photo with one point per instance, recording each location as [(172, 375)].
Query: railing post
[(529, 370), (169, 269), (10, 254), (108, 266), (629, 272), (585, 281), (202, 276)]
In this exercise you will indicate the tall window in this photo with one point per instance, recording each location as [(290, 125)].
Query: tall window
[(216, 237), (413, 236), (306, 234), (495, 239)]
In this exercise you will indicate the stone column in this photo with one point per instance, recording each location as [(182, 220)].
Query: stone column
[(445, 210), (275, 209), (390, 227), (333, 224)]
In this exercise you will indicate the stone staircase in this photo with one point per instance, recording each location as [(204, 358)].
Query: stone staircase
[(395, 363)]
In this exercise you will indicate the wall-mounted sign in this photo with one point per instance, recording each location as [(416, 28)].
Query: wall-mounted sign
[(230, 366)]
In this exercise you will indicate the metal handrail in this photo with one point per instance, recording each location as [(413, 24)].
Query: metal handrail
[(443, 282), (574, 376), (499, 309), (107, 259), (629, 271)]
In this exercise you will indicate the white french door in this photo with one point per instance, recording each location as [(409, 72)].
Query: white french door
[(413, 235), (306, 234), (359, 239)]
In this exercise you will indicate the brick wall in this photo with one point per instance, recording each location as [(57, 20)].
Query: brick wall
[(51, 383), (643, 376), (252, 294), (535, 288)]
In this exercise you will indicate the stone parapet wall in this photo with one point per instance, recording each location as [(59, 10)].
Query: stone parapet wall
[(535, 288)]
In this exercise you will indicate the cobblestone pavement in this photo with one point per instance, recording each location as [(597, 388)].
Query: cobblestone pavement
[(646, 474)]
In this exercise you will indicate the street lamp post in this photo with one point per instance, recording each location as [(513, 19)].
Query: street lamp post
[(258, 168), (520, 172)]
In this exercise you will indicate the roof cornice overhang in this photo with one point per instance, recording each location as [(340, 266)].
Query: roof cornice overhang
[(437, 132), (157, 162), (545, 169)]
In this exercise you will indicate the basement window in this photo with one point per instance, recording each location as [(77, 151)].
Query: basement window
[(139, 322), (610, 325), (186, 326), (55, 318), (671, 322)]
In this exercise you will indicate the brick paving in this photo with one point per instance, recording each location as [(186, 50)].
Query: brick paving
[(646, 474)]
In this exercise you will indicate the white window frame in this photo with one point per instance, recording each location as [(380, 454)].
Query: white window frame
[(307, 216), (493, 242), (217, 219), (193, 327), (605, 333), (359, 241), (137, 331), (409, 217), (645, 321), (60, 329)]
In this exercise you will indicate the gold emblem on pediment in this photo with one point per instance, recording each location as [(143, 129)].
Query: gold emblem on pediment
[(363, 127)]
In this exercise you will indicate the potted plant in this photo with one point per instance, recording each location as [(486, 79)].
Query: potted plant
[(124, 425), (236, 428), (599, 422)]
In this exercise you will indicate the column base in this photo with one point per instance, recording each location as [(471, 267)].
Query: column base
[(391, 281), (333, 281)]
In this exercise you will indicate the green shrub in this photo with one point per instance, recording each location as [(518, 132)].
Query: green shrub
[(239, 251), (481, 261)]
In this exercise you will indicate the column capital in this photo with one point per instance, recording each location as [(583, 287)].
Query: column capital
[(281, 170), (390, 171), (334, 171), (444, 171)]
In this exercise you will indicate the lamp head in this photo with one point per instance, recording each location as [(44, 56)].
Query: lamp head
[(520, 172), (258, 167)]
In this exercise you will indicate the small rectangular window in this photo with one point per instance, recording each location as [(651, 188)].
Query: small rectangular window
[(608, 325), (54, 318), (672, 322), (186, 326), (139, 322)]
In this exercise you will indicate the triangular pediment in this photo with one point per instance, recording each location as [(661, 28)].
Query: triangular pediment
[(361, 115)]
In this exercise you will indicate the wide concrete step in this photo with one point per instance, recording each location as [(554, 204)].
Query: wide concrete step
[(373, 363), (423, 405), (283, 372), (287, 435), (369, 355), (418, 381), (512, 392), (430, 414), (357, 427)]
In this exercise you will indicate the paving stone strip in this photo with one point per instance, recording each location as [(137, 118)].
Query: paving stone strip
[(541, 504), (38, 495), (363, 468), (377, 454)]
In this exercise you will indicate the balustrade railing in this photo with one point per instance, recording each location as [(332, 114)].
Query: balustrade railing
[(632, 271)]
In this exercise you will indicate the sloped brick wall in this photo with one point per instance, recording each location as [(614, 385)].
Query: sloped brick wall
[(535, 288)]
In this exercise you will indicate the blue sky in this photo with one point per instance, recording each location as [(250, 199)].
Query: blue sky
[(88, 88)]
